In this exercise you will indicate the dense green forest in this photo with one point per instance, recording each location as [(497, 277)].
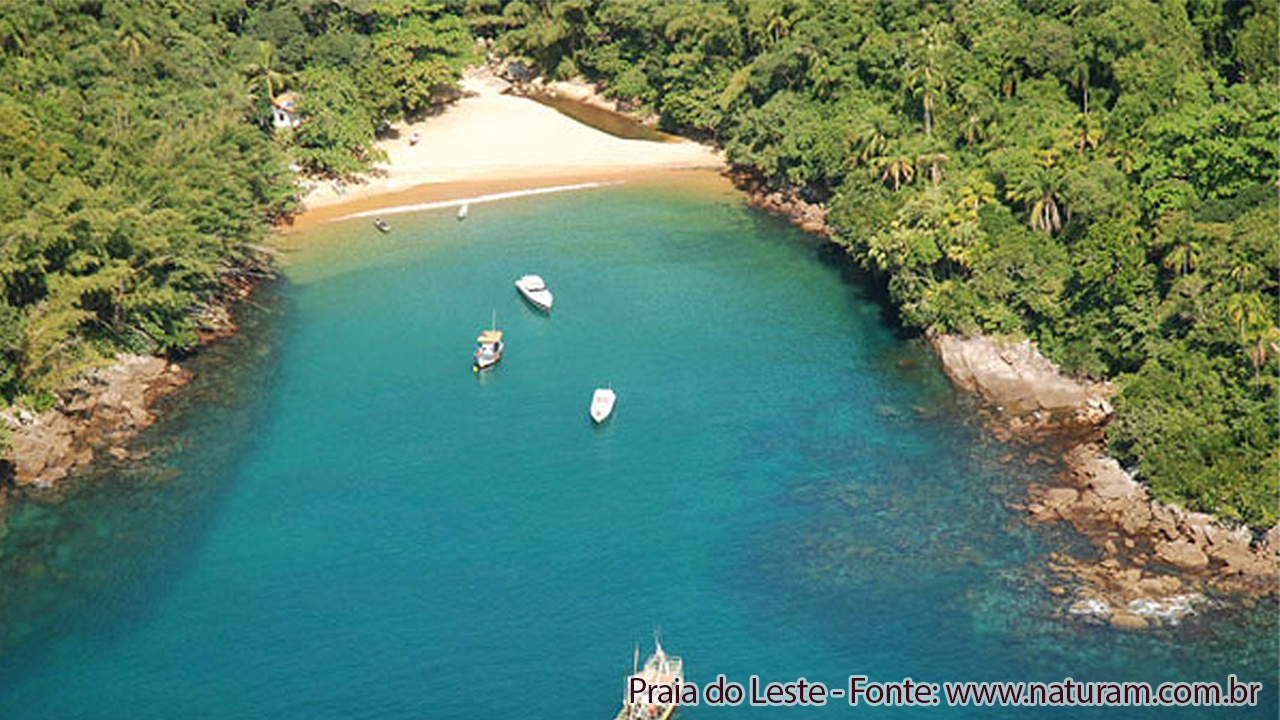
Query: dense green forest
[(138, 166), (1097, 175)]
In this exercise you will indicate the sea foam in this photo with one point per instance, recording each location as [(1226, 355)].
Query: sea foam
[(493, 197)]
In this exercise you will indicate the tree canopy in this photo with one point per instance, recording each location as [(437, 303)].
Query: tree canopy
[(1098, 176), (139, 168)]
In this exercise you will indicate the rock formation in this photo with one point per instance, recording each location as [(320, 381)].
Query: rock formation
[(99, 412)]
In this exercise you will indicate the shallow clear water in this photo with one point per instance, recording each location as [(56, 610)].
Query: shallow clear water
[(341, 520)]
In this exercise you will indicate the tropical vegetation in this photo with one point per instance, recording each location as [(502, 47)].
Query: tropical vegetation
[(1097, 175), (139, 168)]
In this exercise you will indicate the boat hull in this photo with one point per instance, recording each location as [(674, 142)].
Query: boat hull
[(541, 300), (602, 405), (664, 715), (485, 361)]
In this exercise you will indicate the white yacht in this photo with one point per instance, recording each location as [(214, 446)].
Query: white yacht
[(464, 211), (602, 404), (535, 291)]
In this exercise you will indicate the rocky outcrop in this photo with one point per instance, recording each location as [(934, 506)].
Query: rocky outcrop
[(1159, 562), (1023, 386), (99, 412), (789, 202), (103, 408)]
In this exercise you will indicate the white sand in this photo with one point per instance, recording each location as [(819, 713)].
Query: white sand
[(491, 137)]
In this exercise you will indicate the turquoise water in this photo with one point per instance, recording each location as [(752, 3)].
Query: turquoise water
[(341, 520)]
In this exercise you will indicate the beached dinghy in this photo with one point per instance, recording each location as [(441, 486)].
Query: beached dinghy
[(382, 225), (463, 211), (535, 291), (602, 402)]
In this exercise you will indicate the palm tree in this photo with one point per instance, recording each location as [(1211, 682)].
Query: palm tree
[(1086, 135), (867, 143), (935, 161), (779, 27), (897, 167), (977, 109), (1249, 314), (925, 75), (1039, 192), (1243, 271), (1264, 343), (1124, 158), (1010, 74), (264, 66), (1184, 257), (133, 33), (975, 193), (869, 139)]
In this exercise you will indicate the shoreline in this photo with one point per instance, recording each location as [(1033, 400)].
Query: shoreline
[(493, 140), (1156, 558), (488, 145), (1159, 562), (106, 406), (454, 193)]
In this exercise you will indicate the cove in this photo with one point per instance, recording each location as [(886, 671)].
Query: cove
[(343, 521)]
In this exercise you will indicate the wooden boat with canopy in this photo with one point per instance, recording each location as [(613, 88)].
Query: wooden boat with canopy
[(659, 669), (489, 347)]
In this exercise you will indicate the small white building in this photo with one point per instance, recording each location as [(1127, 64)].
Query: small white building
[(284, 111)]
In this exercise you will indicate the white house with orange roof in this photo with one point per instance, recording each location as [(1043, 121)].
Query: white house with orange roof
[(284, 111)]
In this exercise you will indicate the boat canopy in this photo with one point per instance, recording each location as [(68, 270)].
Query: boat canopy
[(490, 336), (533, 282)]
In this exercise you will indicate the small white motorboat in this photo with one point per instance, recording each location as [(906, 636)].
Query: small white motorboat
[(602, 404), (535, 291), (414, 138), (463, 211), (382, 225)]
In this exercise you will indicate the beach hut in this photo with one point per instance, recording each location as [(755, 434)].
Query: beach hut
[(284, 111)]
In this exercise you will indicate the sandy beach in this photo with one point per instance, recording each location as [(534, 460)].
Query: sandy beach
[(488, 143)]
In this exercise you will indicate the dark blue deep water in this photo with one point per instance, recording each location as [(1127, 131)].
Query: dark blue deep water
[(340, 520)]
